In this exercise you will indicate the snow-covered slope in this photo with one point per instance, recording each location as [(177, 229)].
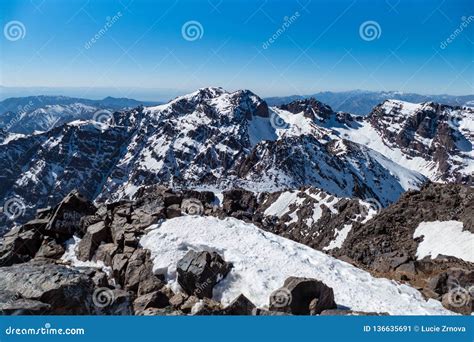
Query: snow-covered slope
[(433, 139), (444, 238), (262, 261)]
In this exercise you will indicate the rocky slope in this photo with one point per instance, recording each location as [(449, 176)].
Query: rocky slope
[(109, 257)]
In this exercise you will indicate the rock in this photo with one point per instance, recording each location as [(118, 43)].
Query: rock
[(240, 306), (160, 312), (303, 296), (50, 249), (19, 245), (150, 284), (65, 290), (155, 299), (178, 299), (189, 303), (139, 268), (67, 215), (172, 199), (119, 266), (207, 307), (206, 197), (95, 235), (406, 271), (173, 211), (239, 200), (198, 272), (112, 302), (261, 312), (19, 306), (105, 253)]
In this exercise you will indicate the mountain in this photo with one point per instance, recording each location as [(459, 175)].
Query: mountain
[(210, 138), (433, 139), (361, 102), (26, 115)]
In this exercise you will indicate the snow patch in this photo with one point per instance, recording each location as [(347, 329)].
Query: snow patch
[(446, 238), (262, 261)]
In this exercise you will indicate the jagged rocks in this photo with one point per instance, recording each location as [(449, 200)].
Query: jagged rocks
[(155, 299), (50, 249), (19, 245), (66, 219), (95, 235), (62, 290), (239, 200), (240, 306), (198, 272), (302, 296)]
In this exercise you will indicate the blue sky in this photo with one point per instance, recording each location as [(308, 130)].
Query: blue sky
[(320, 48)]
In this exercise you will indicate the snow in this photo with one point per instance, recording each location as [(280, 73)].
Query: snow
[(70, 256), (262, 261), (341, 236), (445, 238), (280, 206)]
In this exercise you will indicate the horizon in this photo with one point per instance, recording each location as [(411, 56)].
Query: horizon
[(273, 48), (70, 92)]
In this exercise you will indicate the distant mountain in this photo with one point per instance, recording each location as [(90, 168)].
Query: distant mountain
[(40, 113), (361, 102)]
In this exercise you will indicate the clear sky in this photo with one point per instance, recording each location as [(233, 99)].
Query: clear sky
[(317, 45)]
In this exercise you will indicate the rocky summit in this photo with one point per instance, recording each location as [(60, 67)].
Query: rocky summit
[(217, 204)]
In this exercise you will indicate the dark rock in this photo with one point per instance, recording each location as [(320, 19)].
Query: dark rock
[(239, 200), (262, 312), (302, 296), (155, 299), (95, 235), (105, 253), (178, 299), (173, 211), (67, 215), (19, 245), (198, 272), (65, 290), (240, 306), (150, 284), (50, 249)]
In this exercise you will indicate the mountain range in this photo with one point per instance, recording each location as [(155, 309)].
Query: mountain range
[(361, 102), (389, 194)]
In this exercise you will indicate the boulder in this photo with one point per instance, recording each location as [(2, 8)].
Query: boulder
[(155, 299), (173, 211), (95, 235), (65, 290), (50, 249), (139, 268), (207, 307), (19, 245), (198, 272), (239, 200), (105, 253), (303, 296), (66, 219), (240, 306)]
